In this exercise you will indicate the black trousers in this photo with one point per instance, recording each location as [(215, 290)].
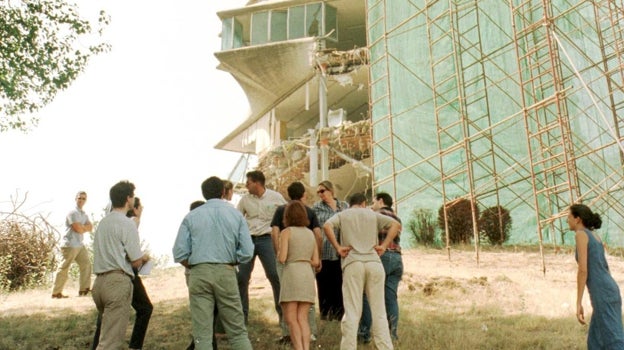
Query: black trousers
[(329, 285), (143, 307)]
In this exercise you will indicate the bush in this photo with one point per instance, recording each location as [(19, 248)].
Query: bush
[(459, 220), (495, 225), (27, 251), (422, 227)]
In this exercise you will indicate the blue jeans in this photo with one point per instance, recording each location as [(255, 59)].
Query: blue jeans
[(263, 248), (393, 266)]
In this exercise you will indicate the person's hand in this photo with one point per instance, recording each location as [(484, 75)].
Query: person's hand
[(138, 211), (318, 268), (580, 314), (380, 249), (343, 251)]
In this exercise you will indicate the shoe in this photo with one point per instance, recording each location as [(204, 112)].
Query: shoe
[(59, 296), (83, 293), (283, 340)]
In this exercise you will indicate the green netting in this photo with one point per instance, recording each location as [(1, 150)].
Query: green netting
[(482, 99)]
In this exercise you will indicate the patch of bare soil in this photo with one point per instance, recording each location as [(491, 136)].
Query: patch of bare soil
[(511, 281)]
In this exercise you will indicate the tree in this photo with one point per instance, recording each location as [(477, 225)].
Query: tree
[(458, 219), (42, 51), (495, 224)]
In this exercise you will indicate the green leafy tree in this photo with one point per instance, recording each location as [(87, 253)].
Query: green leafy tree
[(43, 48)]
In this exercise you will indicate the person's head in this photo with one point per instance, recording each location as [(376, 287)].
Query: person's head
[(136, 207), (212, 188), (357, 200), (382, 199), (255, 182), (296, 190), (295, 214), (580, 214), (81, 199), (325, 190), (122, 195), (228, 190), (196, 204)]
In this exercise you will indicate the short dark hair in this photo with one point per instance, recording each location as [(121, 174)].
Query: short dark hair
[(120, 192), (386, 198), (196, 204), (256, 176), (357, 199), (296, 190), (137, 203), (590, 219), (212, 188), (296, 214)]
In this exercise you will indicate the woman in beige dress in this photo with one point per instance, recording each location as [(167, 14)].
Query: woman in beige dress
[(298, 251)]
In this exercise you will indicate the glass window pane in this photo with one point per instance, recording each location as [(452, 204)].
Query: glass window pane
[(296, 22), (313, 19), (279, 20), (226, 34), (331, 22), (238, 35), (259, 28)]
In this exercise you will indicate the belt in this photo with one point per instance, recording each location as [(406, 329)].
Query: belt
[(260, 236), (113, 271)]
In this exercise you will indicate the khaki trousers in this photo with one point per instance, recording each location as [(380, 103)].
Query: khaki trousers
[(81, 256), (359, 277), (112, 294)]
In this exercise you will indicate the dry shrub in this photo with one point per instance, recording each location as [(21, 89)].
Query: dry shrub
[(27, 246)]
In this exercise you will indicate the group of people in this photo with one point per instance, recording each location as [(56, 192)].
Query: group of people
[(353, 254), (297, 246)]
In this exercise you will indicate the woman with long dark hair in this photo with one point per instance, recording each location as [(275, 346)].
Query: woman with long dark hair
[(605, 327)]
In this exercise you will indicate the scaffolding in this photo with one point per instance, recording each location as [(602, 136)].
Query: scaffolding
[(506, 103)]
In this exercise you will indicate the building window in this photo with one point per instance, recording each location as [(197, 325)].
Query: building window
[(231, 34), (279, 24), (260, 28), (309, 20), (296, 22)]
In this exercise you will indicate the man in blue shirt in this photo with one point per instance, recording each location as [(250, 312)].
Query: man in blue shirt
[(211, 240)]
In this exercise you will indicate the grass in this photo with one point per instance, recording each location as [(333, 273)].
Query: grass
[(470, 311), (431, 326)]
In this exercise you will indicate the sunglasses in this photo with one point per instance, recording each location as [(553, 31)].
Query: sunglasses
[(321, 191), (82, 198)]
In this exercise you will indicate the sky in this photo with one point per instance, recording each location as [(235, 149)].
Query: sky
[(149, 111)]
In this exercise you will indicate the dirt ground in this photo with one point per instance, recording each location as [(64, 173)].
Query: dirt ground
[(514, 279)]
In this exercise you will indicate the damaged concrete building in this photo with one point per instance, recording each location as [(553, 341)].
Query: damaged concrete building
[(307, 88)]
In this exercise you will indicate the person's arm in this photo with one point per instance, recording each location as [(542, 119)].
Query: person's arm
[(581, 275), (245, 248), (316, 261), (318, 237), (182, 246), (275, 228), (393, 231), (282, 254), (331, 237)]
